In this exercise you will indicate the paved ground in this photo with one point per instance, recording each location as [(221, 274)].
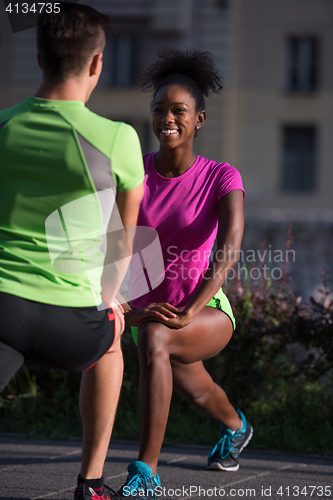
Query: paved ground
[(40, 469)]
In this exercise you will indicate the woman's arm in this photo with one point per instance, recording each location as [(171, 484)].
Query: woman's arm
[(226, 256)]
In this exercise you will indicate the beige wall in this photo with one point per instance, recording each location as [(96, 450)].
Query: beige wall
[(244, 123), (253, 142), (207, 31), (257, 106)]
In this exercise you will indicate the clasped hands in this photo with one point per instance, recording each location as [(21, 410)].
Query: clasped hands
[(162, 312)]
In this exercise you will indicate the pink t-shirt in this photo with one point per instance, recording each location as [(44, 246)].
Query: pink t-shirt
[(184, 212)]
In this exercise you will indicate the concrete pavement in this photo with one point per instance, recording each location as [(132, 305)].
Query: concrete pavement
[(41, 469)]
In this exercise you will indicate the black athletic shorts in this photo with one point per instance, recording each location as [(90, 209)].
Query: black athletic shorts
[(65, 338)]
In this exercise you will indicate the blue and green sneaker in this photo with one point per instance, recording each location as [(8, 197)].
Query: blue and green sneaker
[(224, 455)]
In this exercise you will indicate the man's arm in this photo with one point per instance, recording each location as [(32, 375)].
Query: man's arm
[(120, 242)]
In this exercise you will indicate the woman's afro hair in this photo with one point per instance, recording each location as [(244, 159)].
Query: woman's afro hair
[(190, 68)]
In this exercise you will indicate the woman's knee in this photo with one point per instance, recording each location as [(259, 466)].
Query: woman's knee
[(152, 340)]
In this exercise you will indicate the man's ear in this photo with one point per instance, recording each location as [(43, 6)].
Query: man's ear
[(95, 63), (39, 60)]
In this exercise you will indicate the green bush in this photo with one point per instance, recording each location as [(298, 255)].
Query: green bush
[(277, 368), (41, 402), (278, 340)]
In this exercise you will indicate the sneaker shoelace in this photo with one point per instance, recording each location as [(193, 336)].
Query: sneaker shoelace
[(225, 446)]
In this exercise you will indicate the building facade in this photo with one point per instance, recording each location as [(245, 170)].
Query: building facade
[(273, 120), (279, 102)]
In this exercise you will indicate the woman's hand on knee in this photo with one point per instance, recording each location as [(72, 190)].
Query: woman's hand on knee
[(179, 321), (160, 312)]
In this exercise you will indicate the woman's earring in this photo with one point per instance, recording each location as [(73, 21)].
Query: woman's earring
[(197, 127)]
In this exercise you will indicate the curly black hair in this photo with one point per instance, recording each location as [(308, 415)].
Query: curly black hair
[(189, 68)]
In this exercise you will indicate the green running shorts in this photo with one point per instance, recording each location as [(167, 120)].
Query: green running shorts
[(219, 301)]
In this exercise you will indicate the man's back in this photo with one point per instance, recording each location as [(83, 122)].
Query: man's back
[(60, 168)]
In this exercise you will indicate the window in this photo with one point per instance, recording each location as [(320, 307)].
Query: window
[(299, 158), (301, 67), (122, 60)]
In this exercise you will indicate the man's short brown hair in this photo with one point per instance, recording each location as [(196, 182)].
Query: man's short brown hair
[(67, 40)]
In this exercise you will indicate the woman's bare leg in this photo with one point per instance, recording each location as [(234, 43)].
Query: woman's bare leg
[(158, 345), (155, 391), (197, 386)]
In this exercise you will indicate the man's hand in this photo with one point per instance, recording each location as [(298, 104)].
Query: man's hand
[(117, 308)]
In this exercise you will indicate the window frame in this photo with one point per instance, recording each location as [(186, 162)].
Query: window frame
[(308, 184), (294, 81)]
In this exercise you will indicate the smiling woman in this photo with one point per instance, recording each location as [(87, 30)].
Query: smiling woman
[(190, 201), (175, 119)]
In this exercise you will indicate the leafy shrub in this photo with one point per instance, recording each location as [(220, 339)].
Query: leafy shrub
[(277, 367)]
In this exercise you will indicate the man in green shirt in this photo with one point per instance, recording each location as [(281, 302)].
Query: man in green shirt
[(71, 186)]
